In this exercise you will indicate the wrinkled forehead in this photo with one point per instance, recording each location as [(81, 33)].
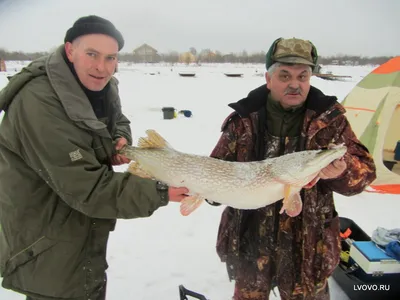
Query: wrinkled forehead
[(99, 43), (293, 69)]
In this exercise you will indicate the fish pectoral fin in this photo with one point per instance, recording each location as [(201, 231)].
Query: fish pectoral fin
[(190, 204), (292, 204), (153, 140), (135, 169)]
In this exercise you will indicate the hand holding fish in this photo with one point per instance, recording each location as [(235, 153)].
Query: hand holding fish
[(119, 159), (334, 169), (177, 194)]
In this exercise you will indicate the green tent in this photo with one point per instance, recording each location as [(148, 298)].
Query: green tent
[(373, 110)]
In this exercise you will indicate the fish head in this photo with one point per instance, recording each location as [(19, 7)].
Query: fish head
[(323, 158), (301, 167)]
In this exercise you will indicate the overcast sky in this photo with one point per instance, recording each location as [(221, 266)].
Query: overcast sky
[(356, 27)]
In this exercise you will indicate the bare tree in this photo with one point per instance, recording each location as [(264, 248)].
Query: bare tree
[(193, 51)]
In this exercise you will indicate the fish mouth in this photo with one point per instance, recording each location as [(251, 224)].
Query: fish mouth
[(326, 156), (335, 147)]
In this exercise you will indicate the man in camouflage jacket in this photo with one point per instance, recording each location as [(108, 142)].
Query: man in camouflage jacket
[(262, 248)]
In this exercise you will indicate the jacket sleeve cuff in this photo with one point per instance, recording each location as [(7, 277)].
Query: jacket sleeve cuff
[(162, 190)]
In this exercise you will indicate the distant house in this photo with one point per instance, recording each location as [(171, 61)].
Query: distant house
[(145, 54), (2, 65)]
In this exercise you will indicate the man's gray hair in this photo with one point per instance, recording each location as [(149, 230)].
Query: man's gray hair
[(276, 65)]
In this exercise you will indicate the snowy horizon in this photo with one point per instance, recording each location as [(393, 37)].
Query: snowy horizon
[(358, 27)]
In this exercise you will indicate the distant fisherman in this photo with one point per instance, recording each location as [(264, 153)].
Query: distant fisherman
[(59, 196), (263, 248)]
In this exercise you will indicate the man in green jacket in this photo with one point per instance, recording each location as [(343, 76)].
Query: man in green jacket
[(59, 196)]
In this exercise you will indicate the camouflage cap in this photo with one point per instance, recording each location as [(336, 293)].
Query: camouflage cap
[(292, 51)]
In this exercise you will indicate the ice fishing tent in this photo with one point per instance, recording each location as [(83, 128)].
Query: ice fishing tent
[(373, 110)]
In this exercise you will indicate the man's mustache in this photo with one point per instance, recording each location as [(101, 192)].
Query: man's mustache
[(293, 91)]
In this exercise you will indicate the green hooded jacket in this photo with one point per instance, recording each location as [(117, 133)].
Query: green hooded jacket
[(59, 197)]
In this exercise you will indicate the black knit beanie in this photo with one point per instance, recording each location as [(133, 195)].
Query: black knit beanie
[(94, 24)]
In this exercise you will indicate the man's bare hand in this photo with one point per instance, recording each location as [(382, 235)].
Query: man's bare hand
[(334, 169), (119, 159), (177, 194)]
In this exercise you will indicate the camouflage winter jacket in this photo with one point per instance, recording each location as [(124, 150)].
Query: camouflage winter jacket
[(306, 247)]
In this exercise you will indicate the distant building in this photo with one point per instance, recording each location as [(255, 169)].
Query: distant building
[(145, 54), (2, 65)]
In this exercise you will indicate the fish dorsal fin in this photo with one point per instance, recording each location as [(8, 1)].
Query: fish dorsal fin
[(153, 140)]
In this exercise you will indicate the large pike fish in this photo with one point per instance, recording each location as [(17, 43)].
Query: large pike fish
[(243, 185)]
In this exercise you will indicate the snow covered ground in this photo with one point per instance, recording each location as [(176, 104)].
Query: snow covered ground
[(149, 258)]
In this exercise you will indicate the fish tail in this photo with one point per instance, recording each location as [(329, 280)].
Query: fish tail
[(153, 140), (190, 204)]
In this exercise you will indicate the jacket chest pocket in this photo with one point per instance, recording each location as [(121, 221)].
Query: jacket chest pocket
[(103, 149)]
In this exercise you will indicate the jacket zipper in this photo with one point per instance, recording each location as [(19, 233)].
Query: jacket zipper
[(278, 204)]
